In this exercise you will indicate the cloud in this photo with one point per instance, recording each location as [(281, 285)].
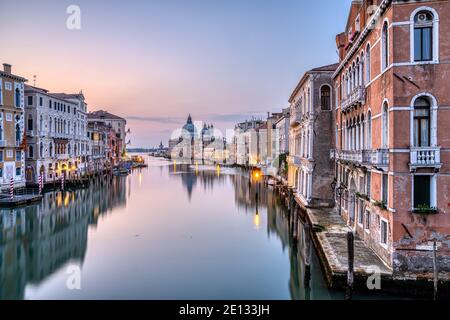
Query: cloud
[(235, 117), (169, 120)]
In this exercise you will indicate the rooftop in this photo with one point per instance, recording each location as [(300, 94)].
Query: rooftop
[(102, 114)]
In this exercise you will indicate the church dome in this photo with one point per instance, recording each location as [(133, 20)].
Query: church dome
[(189, 126)]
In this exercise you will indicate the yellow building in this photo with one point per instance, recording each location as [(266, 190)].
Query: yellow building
[(12, 160)]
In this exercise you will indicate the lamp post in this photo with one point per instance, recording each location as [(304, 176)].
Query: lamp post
[(339, 191)]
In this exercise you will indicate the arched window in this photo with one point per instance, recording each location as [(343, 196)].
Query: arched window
[(51, 125), (385, 129), (362, 68), (41, 123), (51, 149), (422, 123), (41, 150), (325, 97), (369, 131), (358, 73), (17, 98), (423, 36), (30, 152), (363, 133), (385, 47), (18, 133), (30, 123), (69, 149), (368, 64)]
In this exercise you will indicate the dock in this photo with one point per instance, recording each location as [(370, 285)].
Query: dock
[(19, 200)]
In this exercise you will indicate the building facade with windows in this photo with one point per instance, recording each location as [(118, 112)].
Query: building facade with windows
[(12, 143), (310, 171), (56, 138), (392, 117), (118, 124)]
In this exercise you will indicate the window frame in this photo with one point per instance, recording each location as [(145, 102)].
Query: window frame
[(434, 35), (385, 222)]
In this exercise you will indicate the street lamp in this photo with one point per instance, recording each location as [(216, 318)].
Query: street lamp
[(339, 192)]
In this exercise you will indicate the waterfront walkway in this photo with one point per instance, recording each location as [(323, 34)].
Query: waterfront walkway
[(330, 238)]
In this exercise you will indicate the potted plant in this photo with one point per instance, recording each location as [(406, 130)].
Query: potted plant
[(380, 204), (362, 196), (425, 209)]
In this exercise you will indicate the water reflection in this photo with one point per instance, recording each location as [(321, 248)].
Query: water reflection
[(167, 232), (37, 240), (288, 227)]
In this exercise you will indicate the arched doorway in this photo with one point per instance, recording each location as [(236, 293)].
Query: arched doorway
[(29, 175)]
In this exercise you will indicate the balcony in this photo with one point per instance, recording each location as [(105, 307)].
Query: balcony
[(30, 133), (296, 118), (356, 98), (295, 160), (428, 157), (378, 158), (62, 157)]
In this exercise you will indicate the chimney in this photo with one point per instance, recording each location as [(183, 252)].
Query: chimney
[(7, 68)]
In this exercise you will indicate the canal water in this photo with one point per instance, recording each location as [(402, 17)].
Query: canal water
[(164, 232)]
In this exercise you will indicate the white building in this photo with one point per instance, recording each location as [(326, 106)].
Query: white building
[(56, 135)]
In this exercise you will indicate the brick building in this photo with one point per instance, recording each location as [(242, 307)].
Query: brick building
[(310, 170), (391, 128)]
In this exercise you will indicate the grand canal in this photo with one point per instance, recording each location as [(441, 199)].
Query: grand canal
[(165, 232)]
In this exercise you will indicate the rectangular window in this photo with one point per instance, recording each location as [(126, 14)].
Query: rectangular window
[(361, 212), (1, 172), (423, 40), (41, 101), (49, 103), (385, 182), (1, 155), (18, 171), (9, 154), (368, 183), (384, 232), (30, 100), (367, 220), (18, 156), (422, 191)]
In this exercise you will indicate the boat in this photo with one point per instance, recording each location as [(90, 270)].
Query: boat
[(121, 171)]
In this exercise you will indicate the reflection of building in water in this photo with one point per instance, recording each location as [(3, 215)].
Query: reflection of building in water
[(249, 196), (38, 240), (192, 174), (254, 198)]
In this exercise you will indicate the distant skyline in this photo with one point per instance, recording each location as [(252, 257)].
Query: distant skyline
[(154, 62)]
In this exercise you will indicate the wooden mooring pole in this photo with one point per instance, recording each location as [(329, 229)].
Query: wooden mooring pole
[(436, 272), (307, 277), (351, 257)]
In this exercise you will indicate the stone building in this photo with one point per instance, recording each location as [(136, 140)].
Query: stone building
[(12, 143), (118, 124), (392, 137), (245, 142), (56, 138), (282, 127), (311, 127)]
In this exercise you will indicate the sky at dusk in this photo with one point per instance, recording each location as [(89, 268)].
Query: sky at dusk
[(154, 62)]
